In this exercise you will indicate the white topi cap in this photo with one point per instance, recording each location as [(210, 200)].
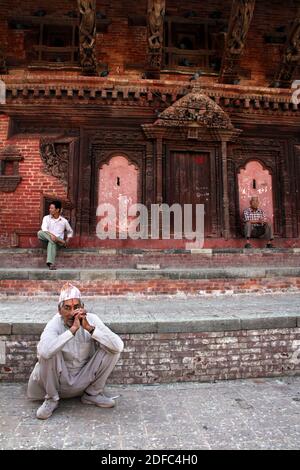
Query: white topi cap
[(68, 292)]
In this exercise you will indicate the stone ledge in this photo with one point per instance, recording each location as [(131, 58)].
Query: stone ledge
[(247, 272), (149, 251), (184, 326), (5, 328)]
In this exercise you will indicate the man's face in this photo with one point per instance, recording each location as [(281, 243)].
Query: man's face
[(69, 310), (254, 203), (53, 211)]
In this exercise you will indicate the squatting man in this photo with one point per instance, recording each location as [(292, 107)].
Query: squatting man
[(76, 355)]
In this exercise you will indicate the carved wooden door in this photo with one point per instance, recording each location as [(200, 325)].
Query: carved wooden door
[(189, 182)]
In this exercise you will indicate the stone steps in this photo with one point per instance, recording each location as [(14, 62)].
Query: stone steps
[(247, 272), (117, 272), (30, 240), (121, 258)]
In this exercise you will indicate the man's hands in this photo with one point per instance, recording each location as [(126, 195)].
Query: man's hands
[(53, 237), (258, 221), (62, 242), (59, 240), (81, 320)]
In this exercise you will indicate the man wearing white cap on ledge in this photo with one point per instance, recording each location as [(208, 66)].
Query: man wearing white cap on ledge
[(76, 355)]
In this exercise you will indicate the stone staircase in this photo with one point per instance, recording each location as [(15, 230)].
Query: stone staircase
[(151, 272), (157, 300)]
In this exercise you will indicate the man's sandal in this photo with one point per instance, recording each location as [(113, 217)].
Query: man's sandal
[(52, 267)]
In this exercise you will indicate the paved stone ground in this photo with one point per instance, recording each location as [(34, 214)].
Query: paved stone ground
[(242, 414), (155, 309)]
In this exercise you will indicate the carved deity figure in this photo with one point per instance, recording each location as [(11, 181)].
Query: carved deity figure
[(291, 56), (156, 13), (87, 35), (241, 16)]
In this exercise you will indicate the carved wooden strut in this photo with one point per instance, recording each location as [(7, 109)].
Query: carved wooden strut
[(239, 24), (291, 56), (155, 19), (87, 36)]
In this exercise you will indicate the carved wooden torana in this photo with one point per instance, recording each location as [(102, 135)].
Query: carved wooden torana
[(155, 20), (87, 36), (239, 24)]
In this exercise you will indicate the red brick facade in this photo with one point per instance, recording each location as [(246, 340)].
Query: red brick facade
[(102, 117), (22, 208), (154, 287)]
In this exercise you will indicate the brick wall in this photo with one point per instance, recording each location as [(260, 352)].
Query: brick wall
[(22, 208), (123, 44), (4, 126), (4, 9), (178, 357), (24, 287)]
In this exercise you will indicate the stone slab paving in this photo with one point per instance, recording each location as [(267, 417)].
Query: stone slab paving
[(138, 314), (241, 414), (36, 309)]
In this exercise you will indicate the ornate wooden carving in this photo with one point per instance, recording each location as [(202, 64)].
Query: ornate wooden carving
[(155, 23), (87, 36), (239, 24), (149, 176), (10, 182), (195, 108), (55, 157), (291, 56)]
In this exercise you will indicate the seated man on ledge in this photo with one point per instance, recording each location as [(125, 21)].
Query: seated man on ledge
[(256, 224), (76, 355), (53, 232)]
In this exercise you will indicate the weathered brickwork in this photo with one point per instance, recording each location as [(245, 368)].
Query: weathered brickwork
[(103, 259), (34, 185), (177, 357), (153, 286), (44, 98)]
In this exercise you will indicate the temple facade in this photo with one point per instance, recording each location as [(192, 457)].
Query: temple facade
[(157, 101)]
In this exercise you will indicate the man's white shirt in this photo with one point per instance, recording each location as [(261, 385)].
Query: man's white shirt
[(57, 226), (79, 348)]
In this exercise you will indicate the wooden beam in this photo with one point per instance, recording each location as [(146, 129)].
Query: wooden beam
[(87, 36), (290, 58), (155, 36), (239, 24)]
